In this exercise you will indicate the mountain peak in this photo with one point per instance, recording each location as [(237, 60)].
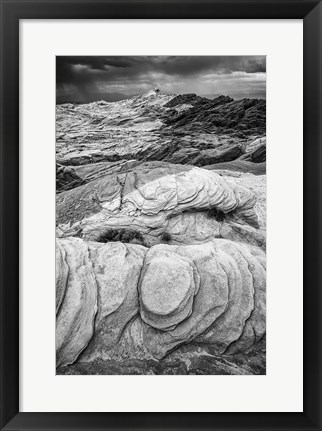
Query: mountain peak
[(153, 93)]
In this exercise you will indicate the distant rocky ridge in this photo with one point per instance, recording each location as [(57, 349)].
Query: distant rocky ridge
[(244, 117), (161, 236), (154, 126)]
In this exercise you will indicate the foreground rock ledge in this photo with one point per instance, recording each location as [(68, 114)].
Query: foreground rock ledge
[(158, 197), (126, 303)]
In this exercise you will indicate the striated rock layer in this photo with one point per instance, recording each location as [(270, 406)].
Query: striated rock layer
[(192, 204), (119, 300), (154, 126)]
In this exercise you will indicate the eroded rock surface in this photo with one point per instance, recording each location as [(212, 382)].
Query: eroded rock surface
[(161, 236), (125, 300), (155, 126), (157, 197), (78, 306)]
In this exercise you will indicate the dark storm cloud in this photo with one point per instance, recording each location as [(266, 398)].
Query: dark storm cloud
[(66, 71), (87, 78), (193, 65)]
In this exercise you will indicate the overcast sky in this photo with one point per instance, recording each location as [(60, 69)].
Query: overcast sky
[(86, 79)]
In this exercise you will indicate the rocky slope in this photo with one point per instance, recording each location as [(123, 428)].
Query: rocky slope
[(154, 126), (161, 236)]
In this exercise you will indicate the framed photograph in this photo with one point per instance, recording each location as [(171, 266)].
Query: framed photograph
[(160, 215)]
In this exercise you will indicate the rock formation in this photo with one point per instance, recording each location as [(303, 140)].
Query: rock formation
[(124, 299), (161, 236), (155, 126)]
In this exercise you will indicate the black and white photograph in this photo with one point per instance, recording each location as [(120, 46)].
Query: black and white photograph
[(160, 215)]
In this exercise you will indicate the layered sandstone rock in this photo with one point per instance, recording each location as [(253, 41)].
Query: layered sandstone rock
[(155, 126), (124, 300), (156, 197), (78, 305), (161, 226)]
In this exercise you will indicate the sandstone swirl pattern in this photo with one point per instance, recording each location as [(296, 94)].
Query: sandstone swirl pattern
[(127, 301), (158, 196)]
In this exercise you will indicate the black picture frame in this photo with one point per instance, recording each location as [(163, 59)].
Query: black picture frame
[(11, 12)]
